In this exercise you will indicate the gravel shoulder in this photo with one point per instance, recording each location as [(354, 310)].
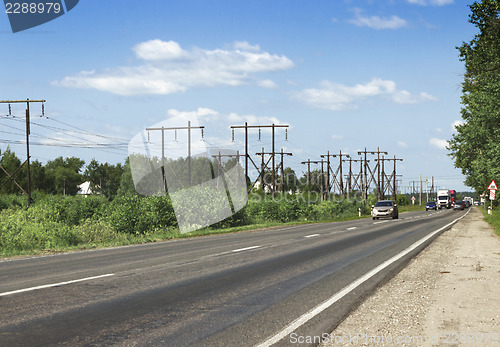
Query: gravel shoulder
[(448, 295)]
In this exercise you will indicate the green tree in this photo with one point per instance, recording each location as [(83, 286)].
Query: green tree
[(40, 181), (290, 180), (314, 183), (65, 175), (10, 162), (476, 145), (126, 187), (104, 178)]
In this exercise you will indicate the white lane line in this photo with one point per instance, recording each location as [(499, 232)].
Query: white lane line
[(312, 235), (351, 228), (336, 297), (54, 285), (245, 249)]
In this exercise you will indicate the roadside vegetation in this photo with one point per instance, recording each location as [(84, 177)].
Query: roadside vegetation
[(60, 219), (474, 147), (58, 223), (55, 223), (494, 219)]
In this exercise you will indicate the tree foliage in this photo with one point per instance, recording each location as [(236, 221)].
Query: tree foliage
[(65, 175), (476, 145), (11, 163), (104, 178)]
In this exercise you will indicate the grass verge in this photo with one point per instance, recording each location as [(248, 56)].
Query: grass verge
[(91, 235), (493, 220)]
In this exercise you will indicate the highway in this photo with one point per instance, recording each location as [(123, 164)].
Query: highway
[(244, 289)]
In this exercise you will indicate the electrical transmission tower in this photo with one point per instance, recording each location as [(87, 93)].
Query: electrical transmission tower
[(247, 155), (11, 176), (368, 181), (280, 167), (392, 177), (163, 129), (335, 181)]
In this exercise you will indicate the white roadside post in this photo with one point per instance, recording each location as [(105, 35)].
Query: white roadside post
[(492, 187)]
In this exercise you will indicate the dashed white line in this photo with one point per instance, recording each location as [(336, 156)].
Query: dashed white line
[(312, 235), (352, 228), (336, 297), (245, 249), (54, 285)]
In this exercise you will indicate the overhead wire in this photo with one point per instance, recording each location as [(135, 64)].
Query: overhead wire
[(119, 145)]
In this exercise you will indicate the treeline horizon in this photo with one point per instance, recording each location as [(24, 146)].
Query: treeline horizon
[(65, 175)]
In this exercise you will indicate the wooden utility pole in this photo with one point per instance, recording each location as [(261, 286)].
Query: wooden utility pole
[(223, 178), (309, 162), (338, 171), (272, 154), (188, 128), (282, 170), (247, 156), (27, 101), (377, 181), (393, 176), (349, 176)]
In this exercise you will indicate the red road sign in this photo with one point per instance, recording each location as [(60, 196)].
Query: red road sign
[(493, 185), (492, 195)]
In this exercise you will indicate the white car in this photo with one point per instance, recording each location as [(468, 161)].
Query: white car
[(385, 208)]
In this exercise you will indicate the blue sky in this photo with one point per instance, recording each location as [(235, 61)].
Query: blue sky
[(344, 75)]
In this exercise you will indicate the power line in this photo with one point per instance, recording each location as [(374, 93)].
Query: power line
[(27, 101)]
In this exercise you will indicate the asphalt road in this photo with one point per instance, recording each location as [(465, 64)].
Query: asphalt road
[(225, 290)]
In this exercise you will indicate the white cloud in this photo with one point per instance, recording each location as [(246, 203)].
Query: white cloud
[(402, 144), (251, 119), (405, 97), (438, 143), (336, 97), (245, 46), (431, 2), (455, 124), (269, 84), (201, 113), (159, 50), (375, 22), (337, 137), (166, 68)]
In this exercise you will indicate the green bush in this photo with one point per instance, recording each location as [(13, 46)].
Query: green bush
[(71, 210), (13, 201), (140, 215), (59, 222), (22, 231), (300, 207), (96, 233)]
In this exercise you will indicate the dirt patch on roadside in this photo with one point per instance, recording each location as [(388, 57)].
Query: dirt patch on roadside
[(448, 295)]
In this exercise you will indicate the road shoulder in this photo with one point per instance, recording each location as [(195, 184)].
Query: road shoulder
[(448, 294)]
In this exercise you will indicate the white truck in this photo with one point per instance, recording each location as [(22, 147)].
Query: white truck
[(443, 198)]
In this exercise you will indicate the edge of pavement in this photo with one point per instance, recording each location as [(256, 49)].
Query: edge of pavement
[(448, 294)]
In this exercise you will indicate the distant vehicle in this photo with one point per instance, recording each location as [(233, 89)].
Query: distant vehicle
[(385, 208), (469, 200), (431, 205), (444, 198), (459, 205), (453, 196)]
